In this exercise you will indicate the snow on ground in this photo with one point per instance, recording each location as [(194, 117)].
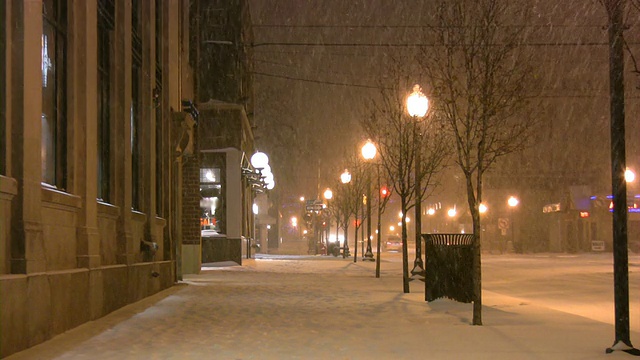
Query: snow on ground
[(304, 308)]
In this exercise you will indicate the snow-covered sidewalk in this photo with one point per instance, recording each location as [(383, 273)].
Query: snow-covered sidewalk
[(304, 308)]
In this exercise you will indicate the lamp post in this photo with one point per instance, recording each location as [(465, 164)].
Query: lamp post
[(260, 161), (417, 106), (512, 202), (368, 153), (302, 213), (382, 195), (345, 178), (328, 195)]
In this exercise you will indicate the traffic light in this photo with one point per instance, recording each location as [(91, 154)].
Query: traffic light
[(384, 192)]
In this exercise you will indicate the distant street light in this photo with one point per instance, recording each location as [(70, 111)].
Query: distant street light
[(629, 175), (417, 106), (368, 153), (345, 178), (512, 202), (328, 195), (482, 208)]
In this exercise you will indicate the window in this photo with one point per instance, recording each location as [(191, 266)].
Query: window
[(54, 93), (105, 31), (3, 91), (135, 115), (159, 115), (211, 202)]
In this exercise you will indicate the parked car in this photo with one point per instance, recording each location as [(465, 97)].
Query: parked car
[(392, 243)]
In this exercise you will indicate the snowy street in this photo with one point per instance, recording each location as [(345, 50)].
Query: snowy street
[(548, 306)]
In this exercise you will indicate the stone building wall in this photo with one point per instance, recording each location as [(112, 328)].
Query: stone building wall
[(66, 257)]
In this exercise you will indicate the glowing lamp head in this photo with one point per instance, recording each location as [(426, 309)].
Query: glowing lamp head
[(482, 208), (328, 194), (345, 177), (259, 160), (369, 150), (417, 103)]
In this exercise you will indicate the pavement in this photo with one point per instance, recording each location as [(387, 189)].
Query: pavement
[(321, 307)]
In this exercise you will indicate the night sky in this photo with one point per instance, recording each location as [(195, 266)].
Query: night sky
[(317, 63)]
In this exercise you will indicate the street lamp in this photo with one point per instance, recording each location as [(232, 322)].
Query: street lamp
[(482, 208), (345, 178), (417, 106), (328, 195), (368, 153), (260, 161), (383, 194), (629, 176), (512, 202)]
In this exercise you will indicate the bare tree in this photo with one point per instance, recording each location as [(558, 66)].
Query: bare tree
[(395, 134), (348, 198), (634, 7), (479, 77)]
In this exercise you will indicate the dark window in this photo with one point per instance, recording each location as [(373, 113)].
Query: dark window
[(159, 115), (105, 33), (54, 93), (3, 91), (136, 82)]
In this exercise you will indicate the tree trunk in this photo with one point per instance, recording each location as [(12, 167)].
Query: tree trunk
[(477, 251), (405, 255)]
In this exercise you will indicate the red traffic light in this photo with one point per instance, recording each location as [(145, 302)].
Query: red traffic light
[(384, 192)]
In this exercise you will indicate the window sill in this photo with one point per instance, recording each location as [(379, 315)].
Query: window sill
[(107, 210), (61, 200), (138, 216)]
